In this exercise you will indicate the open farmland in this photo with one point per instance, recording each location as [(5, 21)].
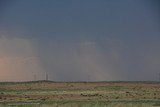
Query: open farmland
[(88, 94)]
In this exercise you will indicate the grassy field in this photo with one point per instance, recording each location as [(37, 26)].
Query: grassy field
[(80, 94)]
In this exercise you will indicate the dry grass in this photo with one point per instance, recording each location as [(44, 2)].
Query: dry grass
[(101, 91)]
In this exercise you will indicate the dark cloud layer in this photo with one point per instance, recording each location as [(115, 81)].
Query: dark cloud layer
[(79, 40)]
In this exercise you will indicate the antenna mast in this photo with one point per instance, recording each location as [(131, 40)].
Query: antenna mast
[(46, 77), (34, 77)]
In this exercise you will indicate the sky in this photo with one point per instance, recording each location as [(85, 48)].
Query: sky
[(79, 40)]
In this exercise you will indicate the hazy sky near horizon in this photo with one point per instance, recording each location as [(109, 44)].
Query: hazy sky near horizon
[(79, 40)]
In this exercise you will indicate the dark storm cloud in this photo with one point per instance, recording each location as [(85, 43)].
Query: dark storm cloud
[(81, 40)]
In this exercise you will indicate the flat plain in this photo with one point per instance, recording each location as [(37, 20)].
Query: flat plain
[(79, 94)]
